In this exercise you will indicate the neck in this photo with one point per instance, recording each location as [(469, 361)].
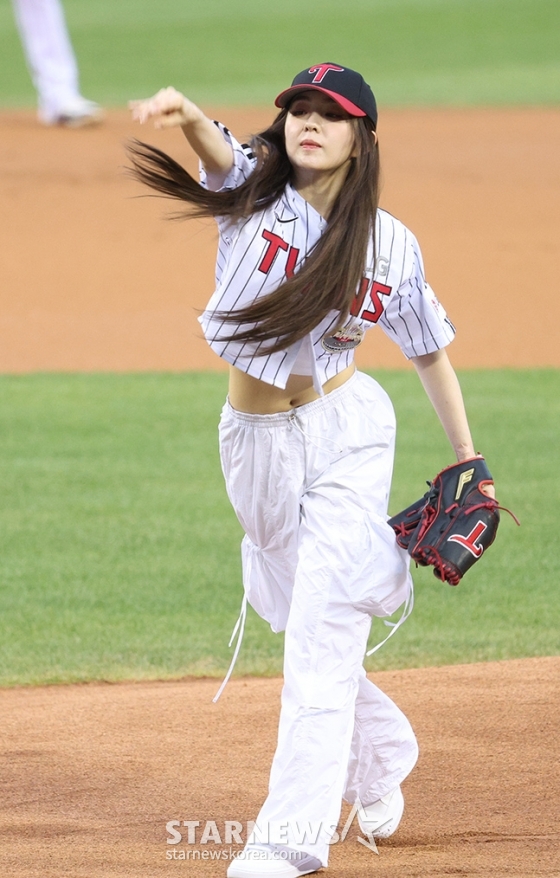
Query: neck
[(321, 190)]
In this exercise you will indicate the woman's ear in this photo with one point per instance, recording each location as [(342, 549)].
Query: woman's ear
[(355, 151)]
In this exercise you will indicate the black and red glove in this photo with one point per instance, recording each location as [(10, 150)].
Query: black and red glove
[(453, 523)]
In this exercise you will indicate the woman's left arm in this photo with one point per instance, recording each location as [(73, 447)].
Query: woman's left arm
[(442, 387)]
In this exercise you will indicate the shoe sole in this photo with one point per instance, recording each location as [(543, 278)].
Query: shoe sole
[(237, 870), (79, 121)]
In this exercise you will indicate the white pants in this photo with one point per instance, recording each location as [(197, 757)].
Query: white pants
[(49, 54), (311, 488)]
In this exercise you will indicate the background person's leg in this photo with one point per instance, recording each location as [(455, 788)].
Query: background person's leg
[(52, 63)]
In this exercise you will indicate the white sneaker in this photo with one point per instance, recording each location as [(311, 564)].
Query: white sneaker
[(381, 818), (77, 114), (279, 861)]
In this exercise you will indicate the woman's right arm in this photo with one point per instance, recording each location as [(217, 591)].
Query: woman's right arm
[(171, 109)]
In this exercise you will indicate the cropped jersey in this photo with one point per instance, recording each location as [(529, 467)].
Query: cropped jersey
[(257, 254)]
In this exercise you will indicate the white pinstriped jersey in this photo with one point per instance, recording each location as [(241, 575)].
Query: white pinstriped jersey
[(256, 255)]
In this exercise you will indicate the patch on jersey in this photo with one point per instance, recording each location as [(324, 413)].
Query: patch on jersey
[(345, 339)]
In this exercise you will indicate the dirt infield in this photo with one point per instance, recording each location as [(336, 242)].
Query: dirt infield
[(93, 279), (91, 775)]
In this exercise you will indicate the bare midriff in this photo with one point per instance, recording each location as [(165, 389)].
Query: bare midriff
[(248, 394)]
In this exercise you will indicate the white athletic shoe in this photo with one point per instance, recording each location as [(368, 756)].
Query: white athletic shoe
[(77, 114), (278, 861), (381, 818)]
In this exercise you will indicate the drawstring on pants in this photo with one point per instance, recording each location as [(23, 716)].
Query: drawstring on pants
[(293, 419), (239, 625), (407, 610)]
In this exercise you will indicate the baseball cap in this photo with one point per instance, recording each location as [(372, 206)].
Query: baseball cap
[(347, 87)]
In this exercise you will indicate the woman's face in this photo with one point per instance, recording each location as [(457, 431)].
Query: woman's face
[(319, 134)]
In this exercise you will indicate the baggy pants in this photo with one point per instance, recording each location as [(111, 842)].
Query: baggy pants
[(310, 488)]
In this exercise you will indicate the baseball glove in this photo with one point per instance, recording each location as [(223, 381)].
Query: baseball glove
[(453, 523)]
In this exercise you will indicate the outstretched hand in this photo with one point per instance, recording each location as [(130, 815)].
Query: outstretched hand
[(171, 109), (168, 109)]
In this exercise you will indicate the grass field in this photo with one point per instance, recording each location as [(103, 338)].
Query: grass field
[(414, 52), (120, 551)]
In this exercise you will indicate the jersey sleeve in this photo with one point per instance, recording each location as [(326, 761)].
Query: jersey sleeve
[(413, 316), (244, 161)]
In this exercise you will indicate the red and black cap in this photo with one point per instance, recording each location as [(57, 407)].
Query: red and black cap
[(347, 87)]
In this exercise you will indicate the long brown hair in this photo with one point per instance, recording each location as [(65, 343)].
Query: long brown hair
[(331, 272)]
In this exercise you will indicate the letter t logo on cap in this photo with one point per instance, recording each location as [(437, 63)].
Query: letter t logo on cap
[(321, 70)]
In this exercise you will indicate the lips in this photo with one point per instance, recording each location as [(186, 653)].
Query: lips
[(310, 144)]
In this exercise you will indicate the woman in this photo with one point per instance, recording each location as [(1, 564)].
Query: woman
[(307, 262)]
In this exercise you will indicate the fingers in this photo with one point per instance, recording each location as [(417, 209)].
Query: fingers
[(168, 108), (170, 120), (489, 490), (166, 101)]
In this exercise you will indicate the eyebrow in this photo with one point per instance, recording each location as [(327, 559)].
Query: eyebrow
[(324, 98)]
